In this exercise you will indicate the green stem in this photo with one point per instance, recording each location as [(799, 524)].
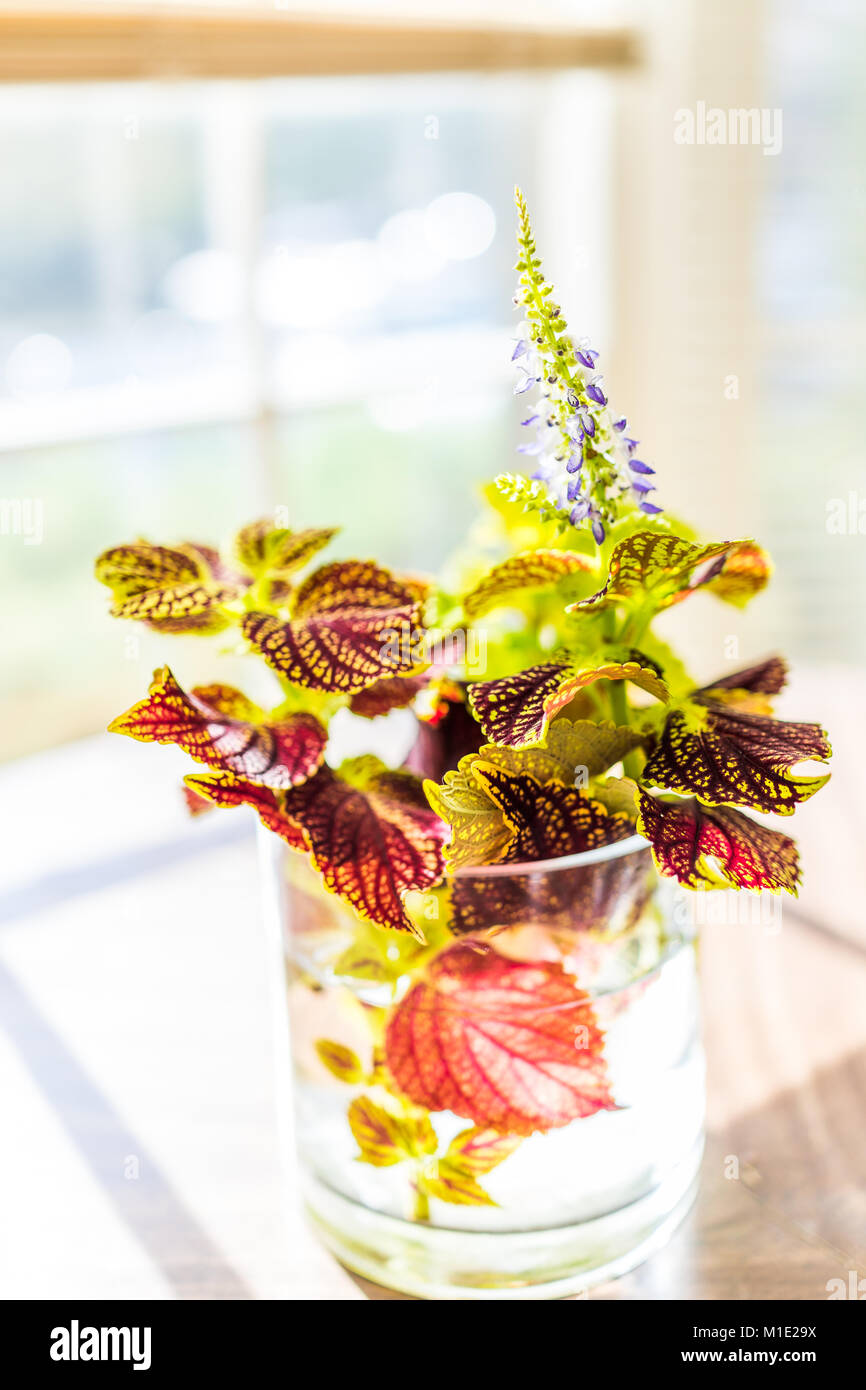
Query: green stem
[(420, 1200), (620, 711), (618, 702), (636, 625), (553, 342), (255, 598), (632, 764)]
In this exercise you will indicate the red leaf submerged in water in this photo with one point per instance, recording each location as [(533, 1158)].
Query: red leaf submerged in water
[(510, 1045)]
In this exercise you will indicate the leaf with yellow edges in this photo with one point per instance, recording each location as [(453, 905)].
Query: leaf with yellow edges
[(716, 846), (341, 1061), (516, 710), (355, 583), (217, 725), (540, 817), (729, 756), (264, 549), (225, 789), (532, 569), (173, 590), (479, 834), (478, 1151), (478, 831), (378, 1133), (351, 624), (372, 837), (658, 569), (548, 821), (746, 571)]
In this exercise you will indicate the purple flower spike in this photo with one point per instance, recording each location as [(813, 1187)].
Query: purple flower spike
[(574, 429), (572, 492), (580, 448), (545, 471), (586, 355)]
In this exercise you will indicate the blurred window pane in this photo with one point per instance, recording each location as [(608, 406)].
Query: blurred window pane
[(222, 296), (812, 301)]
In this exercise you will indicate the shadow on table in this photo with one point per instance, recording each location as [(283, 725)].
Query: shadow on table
[(792, 1219)]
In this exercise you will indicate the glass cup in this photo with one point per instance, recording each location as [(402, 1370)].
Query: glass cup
[(551, 1016)]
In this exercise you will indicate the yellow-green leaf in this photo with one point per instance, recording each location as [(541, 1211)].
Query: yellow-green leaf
[(476, 1151), (378, 1134), (583, 743), (616, 794), (379, 955), (478, 832), (454, 1185), (659, 569), (262, 548), (746, 571), (575, 753), (419, 1136), (173, 590), (341, 1061), (532, 569)]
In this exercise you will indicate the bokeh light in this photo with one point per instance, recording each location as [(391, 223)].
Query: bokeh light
[(460, 226)]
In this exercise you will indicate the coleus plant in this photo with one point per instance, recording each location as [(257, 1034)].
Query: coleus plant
[(586, 731)]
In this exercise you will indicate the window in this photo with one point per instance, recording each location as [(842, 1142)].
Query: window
[(224, 296), (812, 305), (224, 293)]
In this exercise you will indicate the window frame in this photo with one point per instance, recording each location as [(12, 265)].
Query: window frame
[(111, 44)]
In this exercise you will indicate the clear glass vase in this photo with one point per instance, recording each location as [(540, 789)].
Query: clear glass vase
[(513, 1109)]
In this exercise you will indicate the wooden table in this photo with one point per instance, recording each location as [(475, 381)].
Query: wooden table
[(136, 1065)]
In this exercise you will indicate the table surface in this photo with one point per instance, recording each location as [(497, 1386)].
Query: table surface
[(137, 1062)]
